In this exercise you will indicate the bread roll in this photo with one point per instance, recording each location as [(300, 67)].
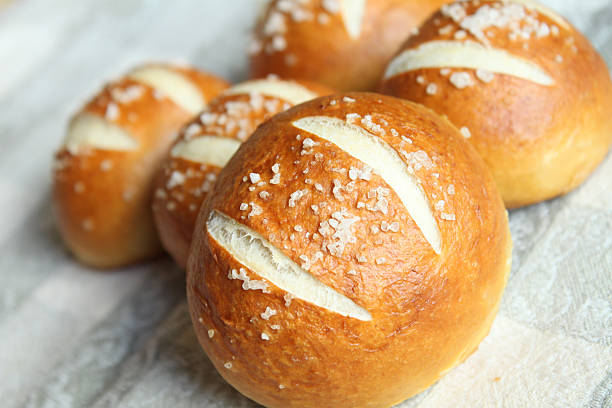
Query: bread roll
[(527, 90), (353, 250), (344, 44), (206, 144), (103, 175)]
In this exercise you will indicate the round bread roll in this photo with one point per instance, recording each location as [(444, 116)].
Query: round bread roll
[(344, 44), (103, 174), (526, 88), (353, 250), (206, 144)]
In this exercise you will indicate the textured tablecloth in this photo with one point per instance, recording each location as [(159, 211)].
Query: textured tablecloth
[(73, 337)]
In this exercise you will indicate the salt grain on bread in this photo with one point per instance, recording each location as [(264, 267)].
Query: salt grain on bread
[(204, 147), (103, 173), (527, 89), (344, 44), (383, 249)]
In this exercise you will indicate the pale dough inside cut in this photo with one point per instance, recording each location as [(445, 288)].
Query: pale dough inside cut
[(470, 55), (256, 253), (87, 130), (288, 91), (352, 15), (173, 85), (385, 161), (211, 150)]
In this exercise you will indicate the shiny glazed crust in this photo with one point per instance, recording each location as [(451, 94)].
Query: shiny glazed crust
[(102, 195), (311, 41), (428, 311), (183, 184), (540, 141)]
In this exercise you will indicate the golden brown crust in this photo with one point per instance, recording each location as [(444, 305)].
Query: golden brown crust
[(539, 141), (429, 311), (176, 204), (102, 197), (209, 85), (315, 44)]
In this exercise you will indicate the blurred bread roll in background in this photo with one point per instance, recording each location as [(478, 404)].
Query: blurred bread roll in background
[(103, 172), (344, 44), (352, 252), (206, 144), (523, 85)]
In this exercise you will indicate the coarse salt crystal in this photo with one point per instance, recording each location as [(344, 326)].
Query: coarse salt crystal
[(447, 216), (431, 89), (106, 165), (461, 80), (484, 75), (269, 312), (112, 112), (295, 196), (176, 179)]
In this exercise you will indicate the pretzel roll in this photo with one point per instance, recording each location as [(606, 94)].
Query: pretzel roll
[(344, 44), (103, 175), (526, 88), (353, 250), (204, 147)]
